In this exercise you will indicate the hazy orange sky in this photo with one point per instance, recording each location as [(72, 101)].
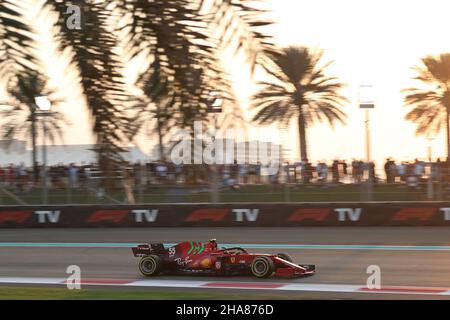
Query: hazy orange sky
[(371, 41)]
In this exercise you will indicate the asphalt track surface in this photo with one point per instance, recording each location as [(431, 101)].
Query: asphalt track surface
[(414, 267)]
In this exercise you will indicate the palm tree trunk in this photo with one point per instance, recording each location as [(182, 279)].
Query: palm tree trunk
[(302, 136), (447, 125), (33, 146), (160, 134)]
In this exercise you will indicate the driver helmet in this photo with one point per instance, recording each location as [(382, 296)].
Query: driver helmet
[(213, 243)]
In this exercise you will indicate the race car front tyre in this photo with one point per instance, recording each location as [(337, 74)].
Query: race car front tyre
[(262, 267), (285, 256), (150, 265)]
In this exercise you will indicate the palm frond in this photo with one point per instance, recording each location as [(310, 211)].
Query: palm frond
[(100, 70), (175, 34), (301, 83), (16, 38), (16, 114), (240, 26), (430, 102), (300, 90)]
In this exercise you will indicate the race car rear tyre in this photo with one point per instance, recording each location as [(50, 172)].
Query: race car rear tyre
[(150, 266), (262, 267), (285, 256)]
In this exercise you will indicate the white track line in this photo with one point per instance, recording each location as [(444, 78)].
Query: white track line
[(167, 284), (14, 280), (232, 285)]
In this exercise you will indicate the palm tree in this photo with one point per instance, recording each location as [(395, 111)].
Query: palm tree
[(100, 70), (431, 101), (176, 32), (301, 90), (19, 116)]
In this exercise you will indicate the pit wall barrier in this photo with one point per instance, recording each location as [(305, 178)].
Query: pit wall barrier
[(228, 215)]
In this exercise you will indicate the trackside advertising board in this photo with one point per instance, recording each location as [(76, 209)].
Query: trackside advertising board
[(228, 215)]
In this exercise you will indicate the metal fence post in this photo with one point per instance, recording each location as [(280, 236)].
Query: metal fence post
[(287, 193), (430, 189)]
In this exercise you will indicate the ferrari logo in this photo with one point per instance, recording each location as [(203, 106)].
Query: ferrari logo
[(233, 259)]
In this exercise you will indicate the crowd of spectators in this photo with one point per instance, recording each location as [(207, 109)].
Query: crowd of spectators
[(412, 173), (336, 172), (166, 173)]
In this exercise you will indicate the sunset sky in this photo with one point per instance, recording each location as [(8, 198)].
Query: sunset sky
[(372, 42)]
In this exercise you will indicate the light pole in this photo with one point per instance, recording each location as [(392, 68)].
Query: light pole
[(366, 102), (430, 138), (44, 105), (215, 108)]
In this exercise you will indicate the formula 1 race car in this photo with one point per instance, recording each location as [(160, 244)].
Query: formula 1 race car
[(208, 259)]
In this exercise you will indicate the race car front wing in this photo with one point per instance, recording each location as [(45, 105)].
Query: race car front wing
[(293, 270)]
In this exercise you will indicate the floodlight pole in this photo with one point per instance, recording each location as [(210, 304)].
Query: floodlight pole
[(369, 157), (44, 163), (44, 105), (215, 177), (368, 105), (368, 146), (215, 108)]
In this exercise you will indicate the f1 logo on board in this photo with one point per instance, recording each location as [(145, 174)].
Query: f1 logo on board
[(316, 214), (321, 214), (117, 216), (218, 215), (422, 214), (14, 216), (23, 216)]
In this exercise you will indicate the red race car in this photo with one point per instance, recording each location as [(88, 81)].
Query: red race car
[(208, 259)]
